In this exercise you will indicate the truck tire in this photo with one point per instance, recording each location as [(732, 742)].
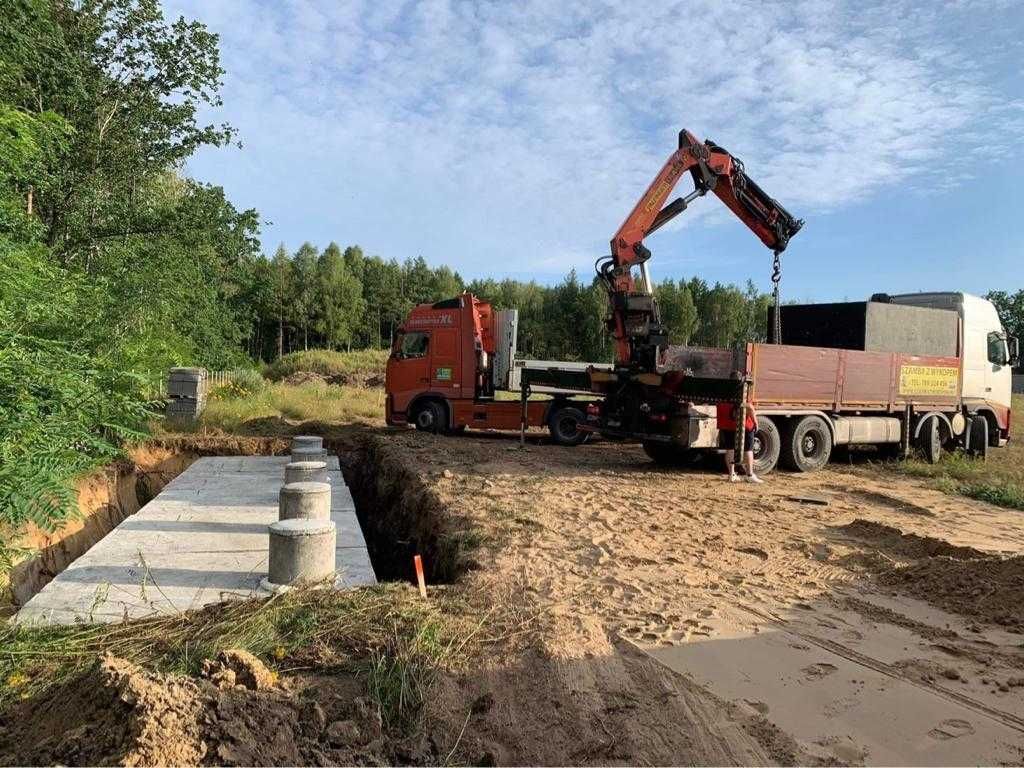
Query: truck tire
[(807, 444), (430, 417), (978, 437), (767, 445), (929, 440), (564, 425), (668, 454)]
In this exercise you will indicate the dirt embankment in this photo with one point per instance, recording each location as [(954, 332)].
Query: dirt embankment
[(108, 496)]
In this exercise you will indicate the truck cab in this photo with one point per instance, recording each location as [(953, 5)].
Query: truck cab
[(988, 354), (435, 357), (451, 358)]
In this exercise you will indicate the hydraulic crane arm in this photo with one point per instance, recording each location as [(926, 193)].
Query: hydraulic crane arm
[(635, 323)]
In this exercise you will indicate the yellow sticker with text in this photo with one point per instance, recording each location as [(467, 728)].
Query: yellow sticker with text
[(928, 380)]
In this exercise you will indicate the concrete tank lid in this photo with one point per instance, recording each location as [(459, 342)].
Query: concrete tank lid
[(307, 438), (305, 487), (189, 371), (298, 526), (307, 465)]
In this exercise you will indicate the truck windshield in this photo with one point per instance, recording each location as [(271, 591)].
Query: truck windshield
[(413, 345)]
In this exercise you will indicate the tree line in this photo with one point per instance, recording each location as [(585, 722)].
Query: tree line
[(343, 299)]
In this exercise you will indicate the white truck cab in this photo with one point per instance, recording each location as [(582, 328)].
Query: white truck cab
[(988, 354)]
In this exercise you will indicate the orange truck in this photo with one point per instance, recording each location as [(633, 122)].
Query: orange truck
[(451, 360)]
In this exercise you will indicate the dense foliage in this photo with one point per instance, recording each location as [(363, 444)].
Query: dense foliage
[(112, 267)]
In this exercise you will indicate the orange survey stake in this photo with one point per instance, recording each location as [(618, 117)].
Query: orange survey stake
[(418, 562)]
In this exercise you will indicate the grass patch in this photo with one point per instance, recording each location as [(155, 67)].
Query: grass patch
[(999, 480), (328, 363), (305, 402), (385, 633)]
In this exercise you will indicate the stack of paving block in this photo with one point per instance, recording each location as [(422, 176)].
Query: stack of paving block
[(186, 393)]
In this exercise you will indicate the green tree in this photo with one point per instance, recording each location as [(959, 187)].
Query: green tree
[(282, 277), (340, 299), (1010, 307), (306, 307), (678, 312)]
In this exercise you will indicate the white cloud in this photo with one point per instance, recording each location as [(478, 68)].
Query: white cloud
[(496, 136)]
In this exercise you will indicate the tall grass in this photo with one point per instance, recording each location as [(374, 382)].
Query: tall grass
[(306, 402), (328, 363), (999, 480)]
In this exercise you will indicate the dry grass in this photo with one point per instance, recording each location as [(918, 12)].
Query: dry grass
[(328, 363), (999, 480), (306, 402), (386, 633)]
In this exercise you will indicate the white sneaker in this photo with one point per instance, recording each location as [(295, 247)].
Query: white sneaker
[(753, 479), (734, 478)]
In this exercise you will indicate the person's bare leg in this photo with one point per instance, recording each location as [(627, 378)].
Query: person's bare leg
[(749, 461), (730, 467)]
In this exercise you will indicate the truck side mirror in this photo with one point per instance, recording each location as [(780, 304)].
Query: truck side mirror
[(1013, 344)]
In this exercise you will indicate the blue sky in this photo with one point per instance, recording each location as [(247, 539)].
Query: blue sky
[(511, 139)]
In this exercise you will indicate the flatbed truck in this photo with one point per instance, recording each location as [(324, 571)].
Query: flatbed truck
[(930, 371)]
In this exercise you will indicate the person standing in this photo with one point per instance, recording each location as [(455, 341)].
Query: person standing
[(727, 415)]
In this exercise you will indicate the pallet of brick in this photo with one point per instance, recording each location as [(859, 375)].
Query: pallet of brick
[(186, 393)]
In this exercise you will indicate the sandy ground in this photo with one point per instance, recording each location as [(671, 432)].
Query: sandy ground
[(626, 615), (687, 619)]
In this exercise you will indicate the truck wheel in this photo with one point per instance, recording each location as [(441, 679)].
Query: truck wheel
[(808, 444), (564, 425), (767, 445), (430, 417), (668, 454), (978, 437), (929, 440)]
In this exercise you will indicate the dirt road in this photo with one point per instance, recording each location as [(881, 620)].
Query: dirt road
[(668, 616)]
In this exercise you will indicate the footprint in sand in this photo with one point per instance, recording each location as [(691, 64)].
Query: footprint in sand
[(951, 729), (819, 670)]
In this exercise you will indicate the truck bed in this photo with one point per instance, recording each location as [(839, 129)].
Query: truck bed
[(818, 378)]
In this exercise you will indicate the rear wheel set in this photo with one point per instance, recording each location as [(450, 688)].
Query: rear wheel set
[(806, 444)]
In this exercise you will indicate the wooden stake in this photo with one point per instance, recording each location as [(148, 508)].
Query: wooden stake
[(417, 561)]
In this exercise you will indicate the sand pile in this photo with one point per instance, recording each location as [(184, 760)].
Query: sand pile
[(988, 589), (906, 545), (237, 714)]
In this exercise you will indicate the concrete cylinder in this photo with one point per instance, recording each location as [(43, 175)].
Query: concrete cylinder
[(305, 472), (305, 501), (301, 552), (307, 441), (308, 454)]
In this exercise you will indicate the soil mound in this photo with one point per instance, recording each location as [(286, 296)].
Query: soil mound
[(988, 589), (114, 714), (355, 379), (909, 545), (118, 713)]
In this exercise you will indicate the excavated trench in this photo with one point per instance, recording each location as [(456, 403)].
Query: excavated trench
[(400, 516)]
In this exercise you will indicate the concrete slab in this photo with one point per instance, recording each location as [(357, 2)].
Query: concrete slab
[(202, 540)]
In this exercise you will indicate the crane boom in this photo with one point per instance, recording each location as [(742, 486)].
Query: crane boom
[(635, 322)]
